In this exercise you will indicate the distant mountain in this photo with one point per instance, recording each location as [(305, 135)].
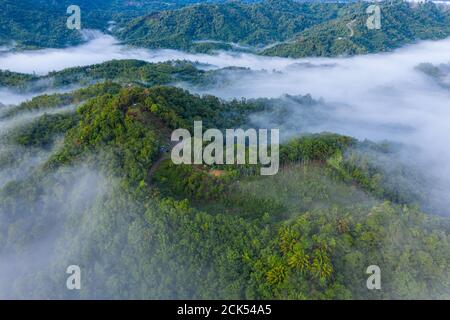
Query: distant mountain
[(400, 24), (207, 26), (42, 23), (272, 27), (288, 28), (120, 71), (29, 23)]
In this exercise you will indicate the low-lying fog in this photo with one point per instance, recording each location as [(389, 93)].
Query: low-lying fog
[(8, 96), (379, 96)]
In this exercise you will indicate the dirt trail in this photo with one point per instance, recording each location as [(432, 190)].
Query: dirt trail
[(155, 166)]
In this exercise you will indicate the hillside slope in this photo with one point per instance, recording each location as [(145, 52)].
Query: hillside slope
[(307, 233), (400, 24), (287, 28), (42, 23), (248, 25)]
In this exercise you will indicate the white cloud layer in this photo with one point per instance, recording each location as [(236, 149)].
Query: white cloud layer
[(379, 96)]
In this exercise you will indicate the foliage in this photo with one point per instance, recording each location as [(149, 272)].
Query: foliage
[(58, 100), (401, 24), (256, 24), (42, 23), (306, 233)]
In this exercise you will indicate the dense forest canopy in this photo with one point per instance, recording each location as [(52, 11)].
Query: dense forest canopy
[(121, 71), (86, 177), (273, 27), (288, 28), (42, 23), (258, 24), (401, 24), (162, 231)]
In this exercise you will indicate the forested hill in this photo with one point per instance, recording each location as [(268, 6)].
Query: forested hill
[(247, 24), (42, 23), (304, 29), (122, 71), (30, 24), (142, 230), (400, 24), (272, 27)]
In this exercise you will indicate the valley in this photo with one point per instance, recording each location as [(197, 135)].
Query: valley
[(87, 178)]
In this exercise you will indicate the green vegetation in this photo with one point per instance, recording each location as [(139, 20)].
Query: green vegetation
[(301, 29), (109, 76), (127, 71), (401, 24), (439, 73), (94, 186), (120, 71), (56, 100), (42, 132), (85, 176), (273, 27), (14, 79), (256, 24), (145, 228), (31, 24)]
